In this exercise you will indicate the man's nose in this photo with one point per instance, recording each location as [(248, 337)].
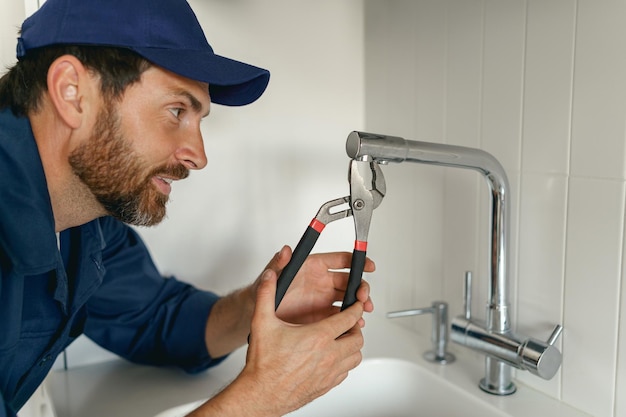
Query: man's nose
[(191, 152)]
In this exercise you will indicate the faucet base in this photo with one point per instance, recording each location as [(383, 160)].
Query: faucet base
[(497, 390), (431, 356)]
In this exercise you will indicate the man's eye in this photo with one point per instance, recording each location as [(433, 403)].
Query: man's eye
[(176, 111)]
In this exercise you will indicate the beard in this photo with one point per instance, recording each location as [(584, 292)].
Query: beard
[(117, 176)]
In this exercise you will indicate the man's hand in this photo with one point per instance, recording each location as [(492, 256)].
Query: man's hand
[(321, 281), (302, 351)]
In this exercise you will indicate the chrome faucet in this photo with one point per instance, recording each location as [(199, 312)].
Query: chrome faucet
[(493, 337)]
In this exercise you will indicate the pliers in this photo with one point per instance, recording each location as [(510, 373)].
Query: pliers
[(367, 189)]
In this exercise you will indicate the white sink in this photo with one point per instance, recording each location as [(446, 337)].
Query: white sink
[(181, 410), (395, 388), (386, 387)]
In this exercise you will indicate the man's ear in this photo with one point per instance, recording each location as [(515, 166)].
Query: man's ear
[(69, 84)]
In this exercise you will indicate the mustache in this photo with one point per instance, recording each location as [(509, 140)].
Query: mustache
[(176, 172)]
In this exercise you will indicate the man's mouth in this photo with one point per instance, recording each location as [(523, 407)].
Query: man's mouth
[(165, 176), (164, 185)]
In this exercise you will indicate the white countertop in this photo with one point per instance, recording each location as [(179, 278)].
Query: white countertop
[(121, 389)]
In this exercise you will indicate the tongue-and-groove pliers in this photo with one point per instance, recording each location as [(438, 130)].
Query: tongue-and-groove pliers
[(367, 190)]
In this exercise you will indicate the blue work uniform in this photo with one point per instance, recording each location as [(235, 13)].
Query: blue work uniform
[(101, 282)]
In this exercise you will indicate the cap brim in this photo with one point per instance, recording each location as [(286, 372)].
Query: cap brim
[(231, 82)]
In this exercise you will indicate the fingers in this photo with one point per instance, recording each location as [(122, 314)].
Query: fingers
[(320, 283), (292, 365), (342, 327), (342, 260), (370, 266), (350, 344), (280, 259), (363, 295), (339, 324), (335, 325), (316, 354), (340, 282)]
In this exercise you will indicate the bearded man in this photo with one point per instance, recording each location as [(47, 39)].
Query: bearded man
[(98, 118)]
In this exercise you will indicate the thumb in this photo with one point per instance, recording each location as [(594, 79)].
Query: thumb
[(266, 294), (264, 307), (280, 259)]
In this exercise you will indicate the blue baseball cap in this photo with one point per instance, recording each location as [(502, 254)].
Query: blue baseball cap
[(165, 32)]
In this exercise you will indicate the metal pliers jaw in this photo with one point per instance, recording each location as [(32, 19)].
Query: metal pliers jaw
[(367, 189)]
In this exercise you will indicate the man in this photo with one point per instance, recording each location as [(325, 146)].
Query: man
[(98, 118)]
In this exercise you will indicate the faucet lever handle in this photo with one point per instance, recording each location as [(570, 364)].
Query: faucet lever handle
[(558, 329), (542, 358)]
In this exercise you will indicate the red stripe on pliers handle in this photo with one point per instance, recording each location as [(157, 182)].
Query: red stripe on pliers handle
[(361, 246), (317, 225)]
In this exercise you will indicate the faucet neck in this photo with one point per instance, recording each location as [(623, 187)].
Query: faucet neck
[(396, 149)]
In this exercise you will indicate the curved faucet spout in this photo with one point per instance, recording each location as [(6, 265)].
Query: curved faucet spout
[(384, 148)]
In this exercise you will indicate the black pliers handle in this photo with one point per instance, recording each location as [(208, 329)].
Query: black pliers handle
[(367, 189), (307, 241)]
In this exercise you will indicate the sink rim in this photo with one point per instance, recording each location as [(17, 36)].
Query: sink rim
[(409, 370)]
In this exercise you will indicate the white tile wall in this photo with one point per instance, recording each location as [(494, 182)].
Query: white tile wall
[(620, 395), (11, 18), (541, 249), (463, 126), (545, 163), (599, 88), (592, 281), (548, 88), (541, 85)]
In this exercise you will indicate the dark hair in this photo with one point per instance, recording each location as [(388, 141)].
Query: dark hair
[(21, 88)]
